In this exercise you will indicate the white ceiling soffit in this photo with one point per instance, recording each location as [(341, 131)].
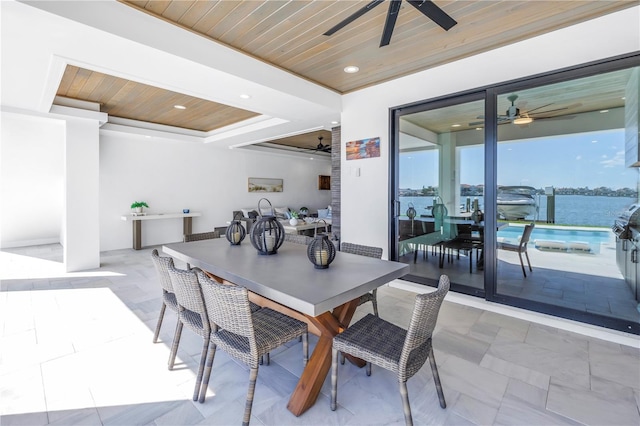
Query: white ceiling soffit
[(113, 38)]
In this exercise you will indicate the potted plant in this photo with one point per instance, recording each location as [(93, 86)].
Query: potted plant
[(304, 211), (137, 206), (294, 218)]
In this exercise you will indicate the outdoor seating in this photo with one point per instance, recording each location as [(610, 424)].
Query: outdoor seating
[(369, 252), (201, 236), (246, 335), (162, 265), (521, 247), (192, 313), (402, 351)]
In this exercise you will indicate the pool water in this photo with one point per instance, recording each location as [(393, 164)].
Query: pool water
[(560, 239)]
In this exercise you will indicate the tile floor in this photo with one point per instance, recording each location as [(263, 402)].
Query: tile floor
[(75, 349)]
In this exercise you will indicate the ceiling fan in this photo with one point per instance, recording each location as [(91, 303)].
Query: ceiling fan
[(517, 116), (320, 147), (426, 7)]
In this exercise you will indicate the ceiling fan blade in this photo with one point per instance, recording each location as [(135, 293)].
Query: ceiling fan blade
[(353, 17), (559, 109), (433, 12), (392, 15)]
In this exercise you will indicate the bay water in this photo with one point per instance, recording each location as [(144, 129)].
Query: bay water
[(577, 210)]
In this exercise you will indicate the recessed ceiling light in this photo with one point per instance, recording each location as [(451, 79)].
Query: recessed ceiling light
[(334, 122), (147, 136), (603, 111), (351, 69), (455, 125), (180, 107), (478, 128), (245, 96)]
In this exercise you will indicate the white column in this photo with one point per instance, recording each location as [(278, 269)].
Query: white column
[(81, 225), (448, 186)]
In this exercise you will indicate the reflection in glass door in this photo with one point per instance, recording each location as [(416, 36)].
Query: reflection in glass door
[(563, 179), (441, 194)]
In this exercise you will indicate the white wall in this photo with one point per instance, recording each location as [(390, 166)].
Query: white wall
[(172, 175), (31, 180), (365, 199)]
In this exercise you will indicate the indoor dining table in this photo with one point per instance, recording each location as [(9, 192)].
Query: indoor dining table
[(325, 299)]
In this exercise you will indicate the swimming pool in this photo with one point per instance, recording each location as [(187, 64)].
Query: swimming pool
[(559, 238)]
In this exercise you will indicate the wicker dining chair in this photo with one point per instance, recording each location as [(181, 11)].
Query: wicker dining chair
[(168, 295), (246, 335), (368, 251), (201, 236), (393, 348), (192, 313)]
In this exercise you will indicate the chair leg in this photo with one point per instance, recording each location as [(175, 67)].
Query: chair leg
[(374, 302), (203, 359), (157, 332), (436, 379), (405, 403), (334, 378), (253, 375), (368, 369), (341, 358), (174, 345), (528, 261), (522, 265), (305, 349), (207, 372)]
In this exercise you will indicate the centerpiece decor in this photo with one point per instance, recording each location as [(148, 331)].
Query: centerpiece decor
[(411, 214), (267, 234), (321, 252), (294, 218), (235, 232)]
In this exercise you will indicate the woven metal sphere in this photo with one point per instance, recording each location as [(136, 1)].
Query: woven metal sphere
[(267, 234), (321, 252), (411, 211), (235, 233)]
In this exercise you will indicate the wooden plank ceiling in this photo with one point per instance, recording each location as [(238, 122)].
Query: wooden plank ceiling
[(289, 35)]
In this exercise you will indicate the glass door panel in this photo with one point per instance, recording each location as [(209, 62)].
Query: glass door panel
[(561, 166), (440, 192)]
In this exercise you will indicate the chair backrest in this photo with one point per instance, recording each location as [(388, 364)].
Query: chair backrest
[(188, 292), (298, 239), (162, 265), (201, 236), (228, 308), (423, 321), (526, 235), (361, 250)]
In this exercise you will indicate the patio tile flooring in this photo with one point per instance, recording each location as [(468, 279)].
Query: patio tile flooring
[(76, 349)]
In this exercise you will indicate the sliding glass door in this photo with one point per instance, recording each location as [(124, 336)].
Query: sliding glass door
[(513, 190), (441, 193)]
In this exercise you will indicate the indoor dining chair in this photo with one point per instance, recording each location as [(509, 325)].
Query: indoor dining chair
[(243, 334), (402, 351)]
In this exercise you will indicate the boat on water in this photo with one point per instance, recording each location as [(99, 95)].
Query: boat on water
[(516, 202)]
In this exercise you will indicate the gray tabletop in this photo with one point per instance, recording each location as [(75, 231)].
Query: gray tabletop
[(288, 277)]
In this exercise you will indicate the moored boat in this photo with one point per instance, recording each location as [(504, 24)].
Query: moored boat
[(516, 202)]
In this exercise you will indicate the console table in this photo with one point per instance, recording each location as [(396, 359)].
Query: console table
[(137, 223)]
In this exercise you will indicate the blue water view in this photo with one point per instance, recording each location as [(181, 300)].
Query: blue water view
[(576, 210)]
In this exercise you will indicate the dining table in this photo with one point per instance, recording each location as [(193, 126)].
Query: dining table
[(287, 281)]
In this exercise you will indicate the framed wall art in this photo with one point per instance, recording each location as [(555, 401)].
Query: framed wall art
[(265, 185), (364, 148)]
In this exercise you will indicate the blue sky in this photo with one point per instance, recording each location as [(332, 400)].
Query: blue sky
[(581, 160)]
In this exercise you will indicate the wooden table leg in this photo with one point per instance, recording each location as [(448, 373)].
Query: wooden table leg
[(314, 374), (186, 225)]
